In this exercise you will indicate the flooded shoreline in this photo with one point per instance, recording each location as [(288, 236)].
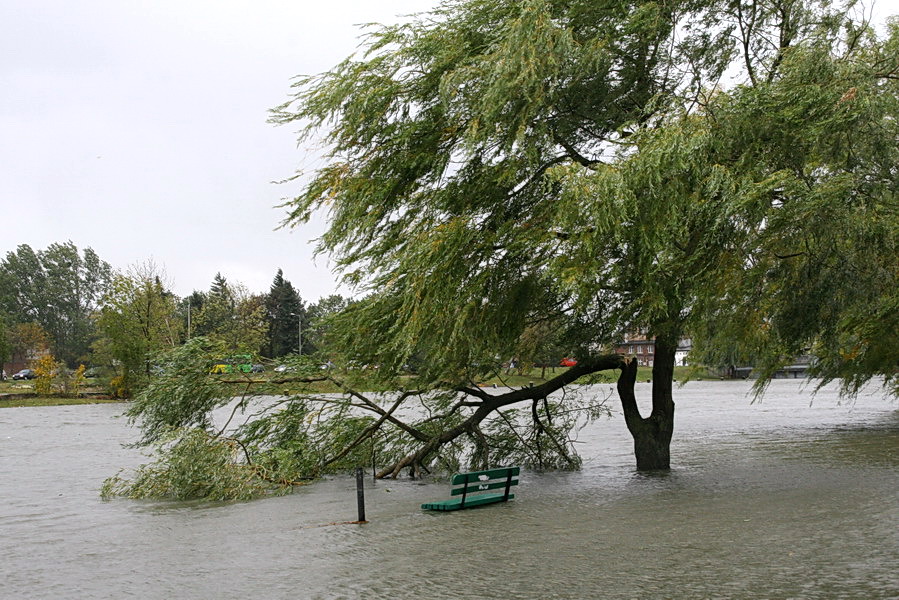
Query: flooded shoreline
[(792, 497)]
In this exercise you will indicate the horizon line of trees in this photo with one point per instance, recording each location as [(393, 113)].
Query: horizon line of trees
[(72, 305)]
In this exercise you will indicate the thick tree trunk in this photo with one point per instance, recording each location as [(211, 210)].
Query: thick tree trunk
[(652, 435)]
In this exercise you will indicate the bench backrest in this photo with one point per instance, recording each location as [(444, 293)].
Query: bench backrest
[(477, 482)]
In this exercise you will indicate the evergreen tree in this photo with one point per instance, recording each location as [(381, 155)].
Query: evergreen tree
[(286, 317), (231, 315), (217, 309)]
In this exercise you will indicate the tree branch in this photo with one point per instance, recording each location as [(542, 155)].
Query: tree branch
[(368, 431), (375, 408), (490, 403)]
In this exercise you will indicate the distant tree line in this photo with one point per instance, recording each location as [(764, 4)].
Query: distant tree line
[(71, 305)]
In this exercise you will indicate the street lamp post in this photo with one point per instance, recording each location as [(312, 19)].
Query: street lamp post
[(299, 332)]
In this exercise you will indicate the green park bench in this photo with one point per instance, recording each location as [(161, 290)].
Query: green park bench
[(475, 489)]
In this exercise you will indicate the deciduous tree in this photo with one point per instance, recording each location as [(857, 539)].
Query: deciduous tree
[(27, 341), (5, 346), (232, 315), (138, 318), (58, 288), (319, 313), (498, 162)]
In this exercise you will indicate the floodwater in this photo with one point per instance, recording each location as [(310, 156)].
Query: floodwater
[(778, 499)]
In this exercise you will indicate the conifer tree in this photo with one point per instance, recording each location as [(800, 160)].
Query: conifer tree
[(286, 316)]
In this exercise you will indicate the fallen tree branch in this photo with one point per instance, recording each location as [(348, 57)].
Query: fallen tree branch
[(368, 431), (490, 403)]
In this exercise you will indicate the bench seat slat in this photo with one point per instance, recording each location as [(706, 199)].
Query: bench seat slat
[(456, 503)]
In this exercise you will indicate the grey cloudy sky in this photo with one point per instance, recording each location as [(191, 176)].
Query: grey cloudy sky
[(138, 128)]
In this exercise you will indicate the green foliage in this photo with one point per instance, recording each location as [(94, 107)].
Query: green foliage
[(230, 314), (506, 178), (813, 156), (319, 314), (137, 319), (441, 190), (184, 394), (288, 437), (495, 165), (5, 344), (541, 436), (58, 288), (192, 465), (286, 317), (280, 442)]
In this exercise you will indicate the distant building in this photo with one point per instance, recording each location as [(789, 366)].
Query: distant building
[(683, 350), (797, 370), (640, 346), (23, 361), (644, 349)]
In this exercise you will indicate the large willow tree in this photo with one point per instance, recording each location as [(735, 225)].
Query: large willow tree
[(585, 168), (494, 164)]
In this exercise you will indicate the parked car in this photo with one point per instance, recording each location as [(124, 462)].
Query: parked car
[(24, 374), (257, 369), (567, 362)]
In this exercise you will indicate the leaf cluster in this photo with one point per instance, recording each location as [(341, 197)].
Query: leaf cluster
[(192, 465)]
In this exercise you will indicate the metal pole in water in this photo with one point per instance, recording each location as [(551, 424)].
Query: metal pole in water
[(360, 495)]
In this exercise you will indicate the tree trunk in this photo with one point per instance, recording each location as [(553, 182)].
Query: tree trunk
[(652, 435)]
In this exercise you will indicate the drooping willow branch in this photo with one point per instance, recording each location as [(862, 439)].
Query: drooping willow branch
[(370, 430), (490, 403)]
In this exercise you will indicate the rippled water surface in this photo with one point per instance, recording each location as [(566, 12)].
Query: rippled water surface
[(778, 499)]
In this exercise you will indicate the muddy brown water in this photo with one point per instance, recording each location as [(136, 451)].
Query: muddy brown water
[(778, 499)]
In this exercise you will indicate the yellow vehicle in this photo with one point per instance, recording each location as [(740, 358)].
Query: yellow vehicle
[(221, 367)]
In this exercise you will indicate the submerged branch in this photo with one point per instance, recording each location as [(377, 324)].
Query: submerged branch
[(492, 403), (377, 409), (368, 431)]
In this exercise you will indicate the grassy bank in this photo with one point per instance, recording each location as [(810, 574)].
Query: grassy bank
[(644, 374), (21, 393), (51, 401)]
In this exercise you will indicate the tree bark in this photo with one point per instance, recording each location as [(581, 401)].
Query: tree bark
[(652, 435)]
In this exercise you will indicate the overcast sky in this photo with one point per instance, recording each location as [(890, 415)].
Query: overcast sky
[(138, 128)]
